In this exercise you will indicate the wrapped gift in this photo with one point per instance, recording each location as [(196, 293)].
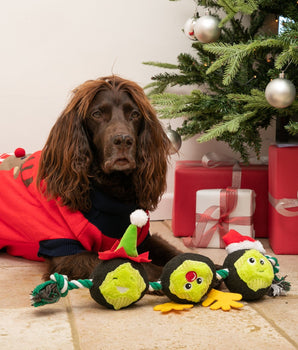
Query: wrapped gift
[(217, 212), (283, 207), (191, 176)]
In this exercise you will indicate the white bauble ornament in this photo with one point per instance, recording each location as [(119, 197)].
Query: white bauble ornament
[(189, 28), (206, 29), (280, 92), (175, 139)]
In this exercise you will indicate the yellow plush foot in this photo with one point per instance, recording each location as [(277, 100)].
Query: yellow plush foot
[(222, 300), (167, 307)]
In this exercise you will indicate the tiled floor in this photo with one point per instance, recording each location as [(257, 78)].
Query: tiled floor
[(77, 322)]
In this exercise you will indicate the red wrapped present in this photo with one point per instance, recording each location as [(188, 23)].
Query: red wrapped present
[(283, 207), (191, 176), (217, 212)]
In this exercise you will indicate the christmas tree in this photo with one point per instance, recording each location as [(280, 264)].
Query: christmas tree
[(234, 70)]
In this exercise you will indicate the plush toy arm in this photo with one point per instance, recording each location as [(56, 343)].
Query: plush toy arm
[(279, 285), (222, 300)]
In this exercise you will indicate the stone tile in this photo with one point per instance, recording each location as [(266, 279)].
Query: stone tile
[(281, 313), (17, 284), (141, 328), (12, 261), (30, 329)]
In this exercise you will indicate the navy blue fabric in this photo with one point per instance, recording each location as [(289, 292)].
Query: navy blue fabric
[(109, 215), (59, 247)]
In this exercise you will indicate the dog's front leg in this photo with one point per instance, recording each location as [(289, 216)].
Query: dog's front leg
[(77, 266), (160, 251)]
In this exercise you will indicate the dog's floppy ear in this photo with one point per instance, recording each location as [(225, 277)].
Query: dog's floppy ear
[(152, 158), (153, 150), (66, 158)]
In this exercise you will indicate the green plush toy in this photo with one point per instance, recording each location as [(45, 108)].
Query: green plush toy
[(118, 281), (188, 278), (248, 270)]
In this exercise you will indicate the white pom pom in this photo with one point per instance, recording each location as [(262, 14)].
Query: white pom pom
[(138, 217)]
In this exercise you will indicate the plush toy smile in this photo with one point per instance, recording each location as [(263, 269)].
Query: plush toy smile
[(255, 270), (122, 286)]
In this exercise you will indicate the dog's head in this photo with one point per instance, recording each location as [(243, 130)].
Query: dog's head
[(108, 127), (113, 124)]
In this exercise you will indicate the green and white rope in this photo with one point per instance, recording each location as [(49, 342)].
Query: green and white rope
[(58, 286), (154, 286)]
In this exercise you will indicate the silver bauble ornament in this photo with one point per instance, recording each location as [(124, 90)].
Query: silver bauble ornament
[(280, 92), (175, 139), (189, 28), (206, 29)]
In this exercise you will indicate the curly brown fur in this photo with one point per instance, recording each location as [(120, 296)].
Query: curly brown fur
[(68, 161), (77, 266), (108, 135)]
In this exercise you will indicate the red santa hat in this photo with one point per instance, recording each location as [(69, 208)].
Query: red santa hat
[(235, 241)]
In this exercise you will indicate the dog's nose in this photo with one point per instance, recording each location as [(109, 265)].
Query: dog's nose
[(123, 140)]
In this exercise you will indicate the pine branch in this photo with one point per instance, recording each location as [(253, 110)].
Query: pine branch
[(292, 128), (174, 106), (232, 7), (231, 126), (232, 56), (155, 87), (256, 100), (161, 65)]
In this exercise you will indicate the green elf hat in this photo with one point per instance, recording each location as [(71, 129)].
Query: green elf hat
[(127, 247)]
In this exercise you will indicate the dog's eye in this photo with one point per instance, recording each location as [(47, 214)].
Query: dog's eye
[(97, 114), (134, 115)]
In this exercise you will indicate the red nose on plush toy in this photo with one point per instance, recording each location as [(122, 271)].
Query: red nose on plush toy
[(19, 152)]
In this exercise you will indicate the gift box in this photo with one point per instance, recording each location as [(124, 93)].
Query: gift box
[(283, 207), (217, 212), (191, 176)]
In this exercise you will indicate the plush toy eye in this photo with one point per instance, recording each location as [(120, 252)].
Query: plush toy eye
[(262, 262), (251, 261), (199, 280), (188, 286)]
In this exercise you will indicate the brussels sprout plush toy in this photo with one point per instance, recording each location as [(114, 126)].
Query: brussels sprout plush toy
[(189, 279), (118, 281), (248, 271)]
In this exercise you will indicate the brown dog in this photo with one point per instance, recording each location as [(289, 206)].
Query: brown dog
[(105, 156)]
